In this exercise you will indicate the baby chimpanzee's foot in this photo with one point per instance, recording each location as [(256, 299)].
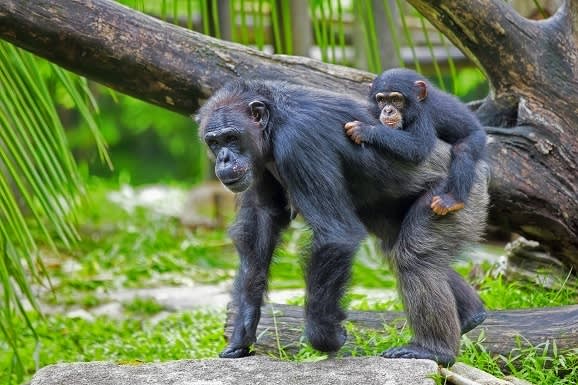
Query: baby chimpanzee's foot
[(445, 203), (415, 351)]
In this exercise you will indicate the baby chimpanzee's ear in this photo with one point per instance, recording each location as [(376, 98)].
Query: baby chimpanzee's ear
[(422, 90), (259, 112)]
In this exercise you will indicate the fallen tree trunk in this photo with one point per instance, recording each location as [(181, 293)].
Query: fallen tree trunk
[(281, 326), (531, 112)]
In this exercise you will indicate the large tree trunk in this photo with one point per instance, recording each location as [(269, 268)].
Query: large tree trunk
[(531, 112)]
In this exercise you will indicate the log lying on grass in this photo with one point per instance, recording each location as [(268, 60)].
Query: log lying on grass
[(281, 326)]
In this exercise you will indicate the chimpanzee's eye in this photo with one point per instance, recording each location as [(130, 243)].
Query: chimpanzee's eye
[(396, 99), (211, 142), (380, 98), (231, 139)]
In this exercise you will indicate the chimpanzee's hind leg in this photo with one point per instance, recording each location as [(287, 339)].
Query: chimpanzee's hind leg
[(421, 259), (337, 233), (471, 311)]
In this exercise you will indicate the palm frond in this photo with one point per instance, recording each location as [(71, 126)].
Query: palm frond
[(39, 181), (429, 44), (389, 14)]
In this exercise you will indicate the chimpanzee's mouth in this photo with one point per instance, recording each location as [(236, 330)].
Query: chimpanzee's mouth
[(238, 185), (390, 122)]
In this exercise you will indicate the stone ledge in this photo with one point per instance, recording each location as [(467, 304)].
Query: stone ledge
[(245, 371)]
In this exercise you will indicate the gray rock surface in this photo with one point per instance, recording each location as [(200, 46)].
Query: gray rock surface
[(251, 370)]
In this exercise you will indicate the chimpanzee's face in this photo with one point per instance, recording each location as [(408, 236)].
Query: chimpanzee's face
[(392, 106), (396, 95), (229, 133)]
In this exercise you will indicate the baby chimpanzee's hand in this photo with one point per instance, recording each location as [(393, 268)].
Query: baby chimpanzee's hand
[(355, 130)]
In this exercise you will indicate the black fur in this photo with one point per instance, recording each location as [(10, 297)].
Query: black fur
[(301, 159), (439, 115)]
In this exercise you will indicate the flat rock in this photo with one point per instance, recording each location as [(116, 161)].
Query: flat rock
[(251, 371)]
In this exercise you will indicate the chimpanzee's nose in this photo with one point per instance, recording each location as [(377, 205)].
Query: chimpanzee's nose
[(224, 156), (388, 110)]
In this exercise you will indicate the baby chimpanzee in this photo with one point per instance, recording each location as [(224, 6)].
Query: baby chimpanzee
[(418, 112)]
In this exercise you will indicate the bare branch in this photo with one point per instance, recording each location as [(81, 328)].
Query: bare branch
[(152, 60), (489, 32)]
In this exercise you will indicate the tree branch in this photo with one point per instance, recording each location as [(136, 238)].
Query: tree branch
[(152, 60), (281, 326), (569, 12), (489, 32), (571, 7), (535, 179)]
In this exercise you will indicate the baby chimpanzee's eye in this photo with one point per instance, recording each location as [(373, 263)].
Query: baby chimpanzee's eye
[(396, 99), (380, 98)]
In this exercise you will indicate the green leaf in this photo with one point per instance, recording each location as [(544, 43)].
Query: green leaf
[(39, 182)]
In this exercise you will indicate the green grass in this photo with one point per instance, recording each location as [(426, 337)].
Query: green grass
[(197, 334), (541, 364), (143, 307), (497, 294), (140, 249)]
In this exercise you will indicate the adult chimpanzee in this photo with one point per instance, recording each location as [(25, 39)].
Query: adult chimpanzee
[(402, 99), (282, 147)]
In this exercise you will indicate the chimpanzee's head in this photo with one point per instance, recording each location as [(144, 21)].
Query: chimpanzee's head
[(396, 95), (232, 124)]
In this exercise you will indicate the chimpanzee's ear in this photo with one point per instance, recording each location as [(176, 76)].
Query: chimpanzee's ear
[(421, 90), (259, 112), (369, 86)]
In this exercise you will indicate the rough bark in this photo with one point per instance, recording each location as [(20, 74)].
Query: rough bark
[(531, 111), (503, 331), (150, 59)]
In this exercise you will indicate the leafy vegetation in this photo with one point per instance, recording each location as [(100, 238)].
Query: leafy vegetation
[(121, 249), (39, 181), (195, 334), (148, 144)]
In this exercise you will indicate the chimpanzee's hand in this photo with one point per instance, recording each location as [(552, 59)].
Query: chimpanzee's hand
[(356, 131)]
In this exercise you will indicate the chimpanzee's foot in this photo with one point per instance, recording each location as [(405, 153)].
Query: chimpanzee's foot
[(473, 321), (326, 338), (236, 352), (445, 203), (415, 351)]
